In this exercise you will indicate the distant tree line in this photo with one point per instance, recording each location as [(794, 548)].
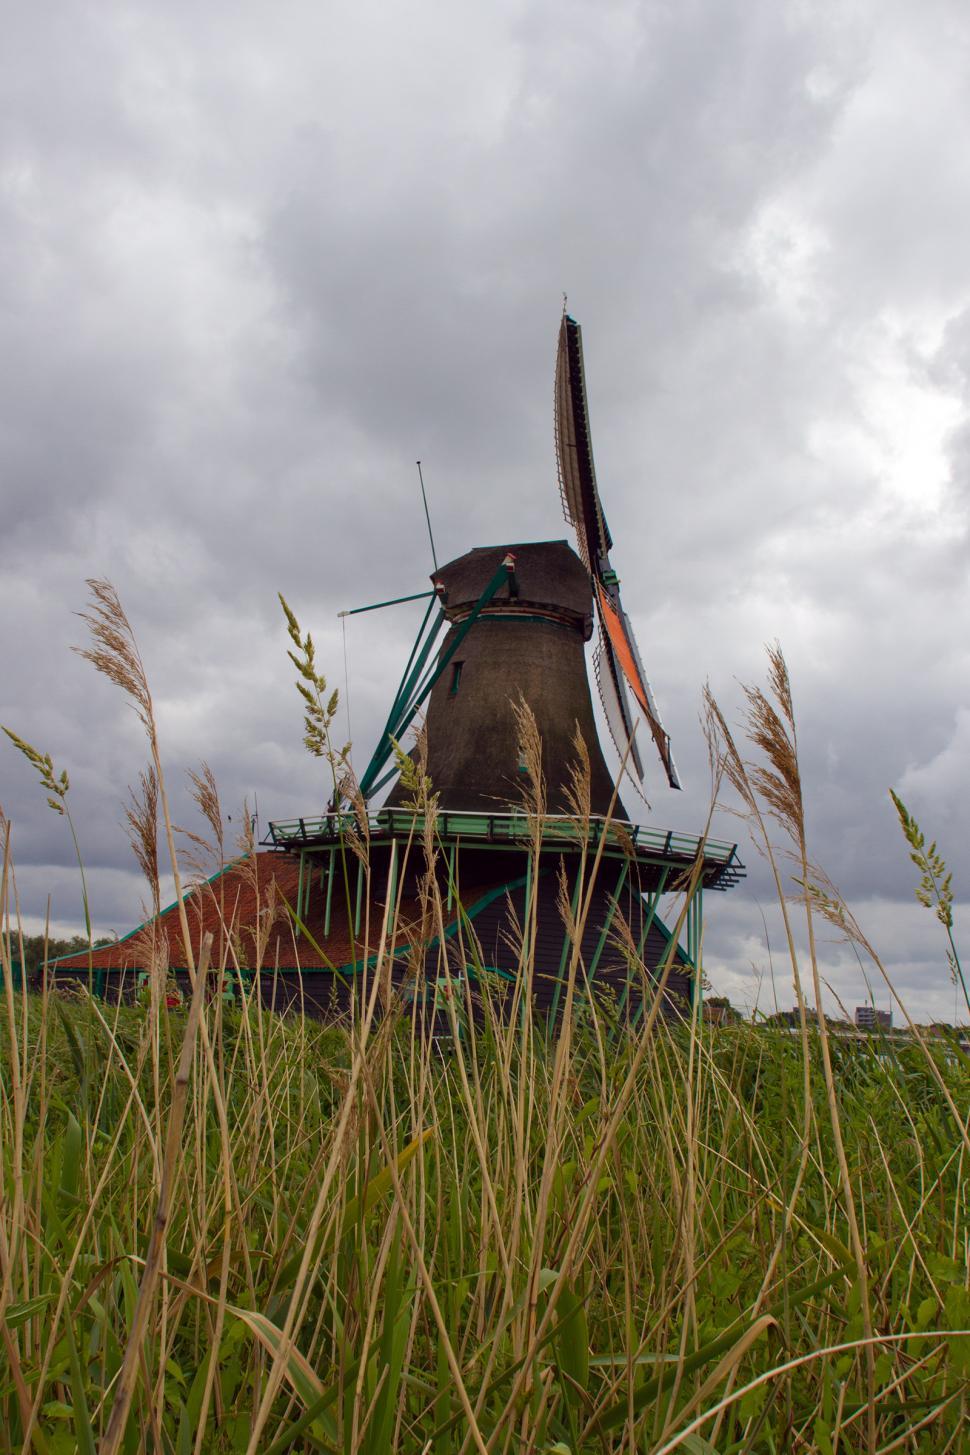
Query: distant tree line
[(35, 945)]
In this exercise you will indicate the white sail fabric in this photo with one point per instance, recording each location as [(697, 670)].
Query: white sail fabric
[(616, 707)]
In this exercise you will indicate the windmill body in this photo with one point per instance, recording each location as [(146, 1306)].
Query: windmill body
[(527, 646)]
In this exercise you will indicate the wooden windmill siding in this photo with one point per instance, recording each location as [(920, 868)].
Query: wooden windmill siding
[(526, 645)]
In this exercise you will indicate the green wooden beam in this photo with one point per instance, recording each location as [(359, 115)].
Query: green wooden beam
[(395, 601), (614, 902), (410, 697), (652, 903), (412, 673)]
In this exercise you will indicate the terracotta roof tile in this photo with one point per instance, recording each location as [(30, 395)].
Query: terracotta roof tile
[(245, 903)]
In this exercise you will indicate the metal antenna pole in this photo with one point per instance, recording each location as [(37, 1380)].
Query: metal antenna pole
[(427, 517), (350, 734)]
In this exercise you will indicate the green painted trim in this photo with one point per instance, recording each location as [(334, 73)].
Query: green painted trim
[(414, 652), (680, 957), (395, 601), (474, 910), (554, 845), (411, 685), (403, 696), (402, 716), (511, 825), (408, 678), (614, 901), (652, 902)]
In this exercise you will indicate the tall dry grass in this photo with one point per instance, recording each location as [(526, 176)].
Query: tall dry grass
[(432, 1227)]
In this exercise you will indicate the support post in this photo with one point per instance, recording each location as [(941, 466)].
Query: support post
[(652, 904)]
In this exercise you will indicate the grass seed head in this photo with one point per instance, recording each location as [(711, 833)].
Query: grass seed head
[(55, 786), (935, 888), (578, 789), (114, 651), (206, 796), (141, 822)]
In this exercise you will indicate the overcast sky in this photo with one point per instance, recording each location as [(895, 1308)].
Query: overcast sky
[(255, 260)]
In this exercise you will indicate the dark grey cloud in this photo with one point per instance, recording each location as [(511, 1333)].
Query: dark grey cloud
[(252, 267)]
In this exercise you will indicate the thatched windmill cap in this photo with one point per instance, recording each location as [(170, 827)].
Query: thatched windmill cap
[(548, 578)]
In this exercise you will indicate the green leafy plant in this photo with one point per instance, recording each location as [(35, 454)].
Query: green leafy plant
[(319, 706)]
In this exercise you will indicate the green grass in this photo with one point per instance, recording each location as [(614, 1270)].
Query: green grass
[(484, 1247)]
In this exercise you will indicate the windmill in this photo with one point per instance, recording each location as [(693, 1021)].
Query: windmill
[(509, 623), (504, 624)]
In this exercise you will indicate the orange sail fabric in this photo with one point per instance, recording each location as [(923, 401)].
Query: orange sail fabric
[(626, 654), (623, 650)]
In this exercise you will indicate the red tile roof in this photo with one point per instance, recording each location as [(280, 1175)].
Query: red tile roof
[(245, 904)]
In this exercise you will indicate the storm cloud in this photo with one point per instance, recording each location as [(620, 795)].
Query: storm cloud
[(254, 263)]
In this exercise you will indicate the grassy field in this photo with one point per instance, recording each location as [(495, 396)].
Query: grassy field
[(225, 1231), (377, 1242)]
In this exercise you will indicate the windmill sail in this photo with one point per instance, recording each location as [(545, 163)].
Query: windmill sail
[(616, 625), (616, 706), (618, 663), (574, 451)]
